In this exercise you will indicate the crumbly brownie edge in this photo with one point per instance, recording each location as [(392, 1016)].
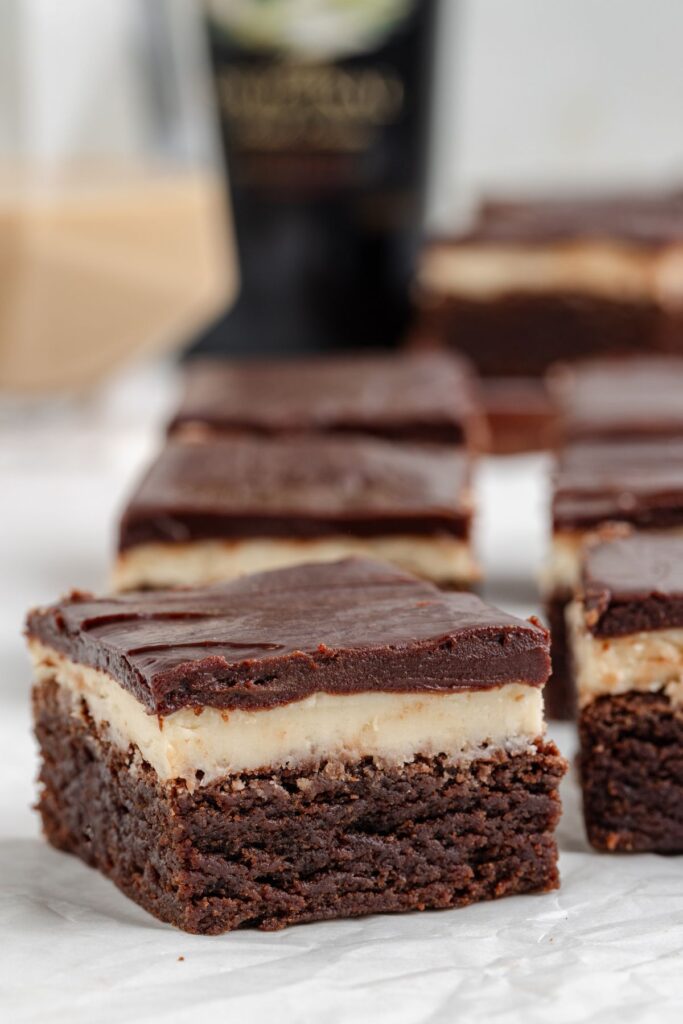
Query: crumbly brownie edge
[(632, 773), (267, 851)]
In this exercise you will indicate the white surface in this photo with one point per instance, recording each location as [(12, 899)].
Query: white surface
[(606, 947)]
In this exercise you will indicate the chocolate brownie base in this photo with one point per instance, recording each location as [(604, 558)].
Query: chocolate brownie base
[(269, 850), (632, 773), (560, 692), (553, 327)]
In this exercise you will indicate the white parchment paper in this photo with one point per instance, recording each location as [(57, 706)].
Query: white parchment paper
[(605, 947)]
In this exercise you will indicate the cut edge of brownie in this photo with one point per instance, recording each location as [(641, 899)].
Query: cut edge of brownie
[(631, 765), (271, 849)]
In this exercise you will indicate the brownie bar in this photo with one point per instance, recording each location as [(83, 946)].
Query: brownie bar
[(571, 277), (268, 850), (216, 508), (413, 397), (626, 624), (626, 634), (622, 399), (319, 742), (639, 483)]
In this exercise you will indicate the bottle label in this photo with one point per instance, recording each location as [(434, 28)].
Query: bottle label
[(307, 89), (312, 106)]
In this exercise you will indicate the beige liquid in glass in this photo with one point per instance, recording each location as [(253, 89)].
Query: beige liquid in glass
[(96, 269)]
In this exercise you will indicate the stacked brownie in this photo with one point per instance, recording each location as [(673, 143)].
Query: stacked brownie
[(270, 465), (222, 507), (546, 280), (412, 397), (534, 282), (626, 640), (317, 742), (329, 738), (622, 462), (287, 712)]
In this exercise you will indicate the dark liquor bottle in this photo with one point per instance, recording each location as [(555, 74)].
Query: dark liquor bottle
[(325, 108)]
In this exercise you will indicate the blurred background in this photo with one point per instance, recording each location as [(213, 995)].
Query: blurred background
[(120, 122), (571, 94)]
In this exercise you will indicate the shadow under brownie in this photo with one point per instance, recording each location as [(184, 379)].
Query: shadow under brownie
[(318, 742)]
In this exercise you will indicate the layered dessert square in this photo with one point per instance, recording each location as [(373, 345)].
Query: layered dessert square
[(635, 482), (619, 399), (413, 397), (626, 637), (532, 282), (218, 508), (318, 742)]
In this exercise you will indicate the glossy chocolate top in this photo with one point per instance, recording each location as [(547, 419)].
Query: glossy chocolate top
[(298, 486), (277, 637), (652, 220), (637, 482), (632, 584), (621, 398), (411, 397)]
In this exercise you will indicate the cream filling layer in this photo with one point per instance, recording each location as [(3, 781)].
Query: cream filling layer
[(440, 559), (603, 269), (390, 727), (649, 662)]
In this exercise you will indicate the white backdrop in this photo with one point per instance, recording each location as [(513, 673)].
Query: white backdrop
[(558, 92)]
